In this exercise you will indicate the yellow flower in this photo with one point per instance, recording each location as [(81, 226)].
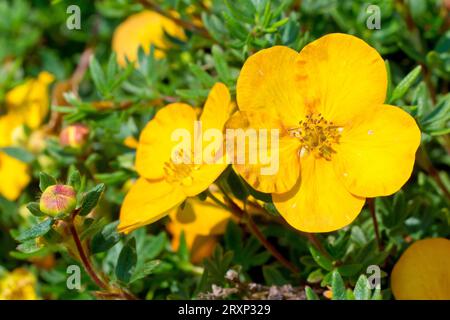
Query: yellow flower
[(338, 142), (26, 104), (165, 183), (18, 285), (423, 271), (200, 221), (144, 29)]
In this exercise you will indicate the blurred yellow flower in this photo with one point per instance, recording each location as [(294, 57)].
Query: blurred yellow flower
[(339, 143), (163, 183), (144, 29), (18, 285), (26, 104), (423, 271), (200, 221)]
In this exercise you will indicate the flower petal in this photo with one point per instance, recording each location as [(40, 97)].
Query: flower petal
[(14, 176), (267, 80), (320, 202), (146, 202), (264, 165), (423, 271), (217, 109), (376, 154), (340, 76), (156, 144), (144, 29)]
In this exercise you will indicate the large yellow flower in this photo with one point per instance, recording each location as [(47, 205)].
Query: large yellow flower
[(143, 29), (18, 285), (165, 183), (200, 221), (26, 104), (339, 143), (423, 271)]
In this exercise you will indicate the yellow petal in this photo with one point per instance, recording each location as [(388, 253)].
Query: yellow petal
[(264, 165), (14, 176), (320, 202), (267, 80), (30, 100), (156, 144), (198, 217), (8, 123), (146, 202), (217, 109), (143, 29), (423, 271), (376, 154), (340, 76), (201, 178)]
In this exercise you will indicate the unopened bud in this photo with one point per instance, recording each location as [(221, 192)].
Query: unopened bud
[(58, 200), (74, 136)]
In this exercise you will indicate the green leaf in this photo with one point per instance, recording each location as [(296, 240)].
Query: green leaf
[(37, 230), (105, 239), (19, 154), (338, 287), (74, 178), (273, 276), (97, 75), (362, 289), (310, 294), (320, 259), (29, 246), (91, 199), (33, 207), (221, 64), (45, 181), (145, 270), (315, 277), (127, 261), (404, 85)]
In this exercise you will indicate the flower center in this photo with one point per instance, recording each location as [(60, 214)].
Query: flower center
[(317, 136), (180, 168)]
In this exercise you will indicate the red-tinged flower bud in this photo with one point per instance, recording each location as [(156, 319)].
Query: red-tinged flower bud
[(74, 136), (58, 200)]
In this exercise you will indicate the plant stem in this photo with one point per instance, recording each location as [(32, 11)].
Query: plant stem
[(372, 209), (84, 259), (108, 290), (243, 215)]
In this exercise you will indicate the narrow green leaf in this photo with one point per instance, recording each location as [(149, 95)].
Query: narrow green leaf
[(310, 294), (91, 198), (362, 289), (45, 181), (127, 261), (404, 85), (221, 64), (37, 230), (97, 75), (74, 178), (105, 239), (320, 259), (338, 287), (19, 154), (33, 207)]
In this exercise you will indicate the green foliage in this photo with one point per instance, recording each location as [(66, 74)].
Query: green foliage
[(116, 102)]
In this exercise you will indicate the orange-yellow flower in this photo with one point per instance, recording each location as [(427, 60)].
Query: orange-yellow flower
[(26, 104), (18, 284), (339, 143), (423, 271), (163, 183), (144, 29), (200, 221)]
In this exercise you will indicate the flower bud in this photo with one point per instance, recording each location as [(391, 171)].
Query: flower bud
[(58, 200), (74, 136)]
